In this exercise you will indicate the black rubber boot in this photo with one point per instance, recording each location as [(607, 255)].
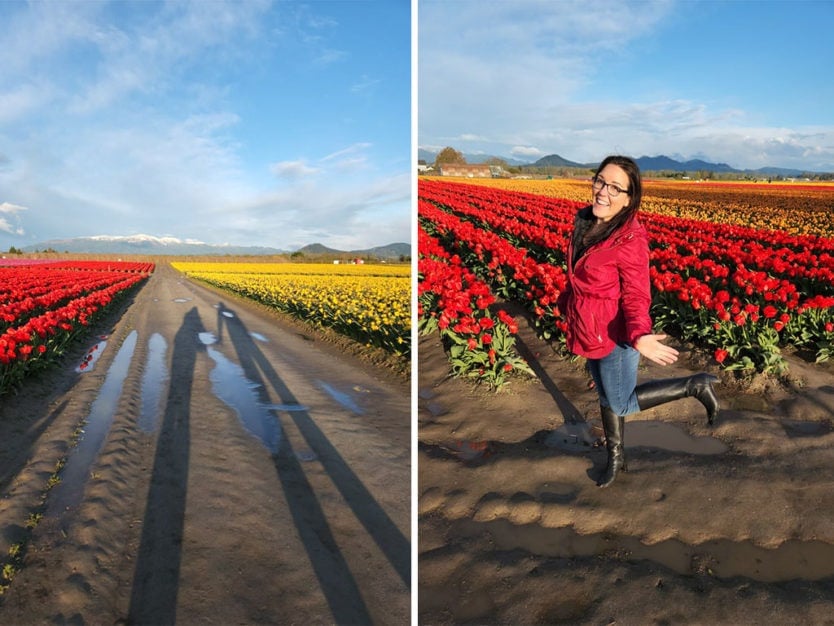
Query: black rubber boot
[(655, 392), (613, 425)]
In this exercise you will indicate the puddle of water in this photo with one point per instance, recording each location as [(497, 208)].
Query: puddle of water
[(207, 338), (230, 384), (720, 558), (425, 394), (88, 363), (74, 475), (153, 383), (578, 437), (436, 409), (228, 314), (182, 300), (306, 455), (287, 407), (342, 398), (259, 337), (656, 434), (797, 428), (647, 433)]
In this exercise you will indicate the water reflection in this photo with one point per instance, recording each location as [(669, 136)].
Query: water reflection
[(153, 382), (229, 383), (74, 475), (342, 398), (88, 363)]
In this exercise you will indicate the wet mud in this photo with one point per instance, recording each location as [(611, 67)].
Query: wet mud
[(727, 524)]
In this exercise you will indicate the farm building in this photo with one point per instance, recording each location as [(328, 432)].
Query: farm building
[(466, 170)]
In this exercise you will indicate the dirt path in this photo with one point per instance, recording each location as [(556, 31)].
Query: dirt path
[(232, 470), (729, 525)]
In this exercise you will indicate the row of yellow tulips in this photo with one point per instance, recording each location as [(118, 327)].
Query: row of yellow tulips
[(369, 303)]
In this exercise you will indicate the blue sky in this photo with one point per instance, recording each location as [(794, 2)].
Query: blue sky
[(740, 82), (243, 122)]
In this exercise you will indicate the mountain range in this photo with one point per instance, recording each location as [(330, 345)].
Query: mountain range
[(151, 245), (646, 163)]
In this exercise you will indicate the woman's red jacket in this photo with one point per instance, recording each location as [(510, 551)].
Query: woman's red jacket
[(608, 295)]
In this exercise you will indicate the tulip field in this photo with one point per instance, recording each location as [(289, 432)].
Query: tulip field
[(45, 305), (368, 303), (796, 208), (741, 293)]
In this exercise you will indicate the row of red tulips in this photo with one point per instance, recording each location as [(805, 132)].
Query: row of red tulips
[(741, 293), (456, 303), (139, 267), (44, 308)]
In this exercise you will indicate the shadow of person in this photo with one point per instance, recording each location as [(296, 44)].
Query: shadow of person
[(156, 579), (329, 564)]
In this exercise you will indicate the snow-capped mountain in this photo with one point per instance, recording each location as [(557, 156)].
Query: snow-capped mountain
[(145, 244), (173, 246)]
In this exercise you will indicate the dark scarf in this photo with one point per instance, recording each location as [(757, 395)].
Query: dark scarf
[(582, 226)]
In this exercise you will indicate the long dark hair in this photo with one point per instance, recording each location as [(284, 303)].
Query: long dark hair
[(635, 195)]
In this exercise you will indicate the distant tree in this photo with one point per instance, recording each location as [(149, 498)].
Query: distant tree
[(449, 156), (297, 255), (496, 161)]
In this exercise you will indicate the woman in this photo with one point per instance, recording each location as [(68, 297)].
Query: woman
[(606, 308)]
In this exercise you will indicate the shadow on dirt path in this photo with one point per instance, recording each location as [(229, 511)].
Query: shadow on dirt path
[(23, 450), (569, 412), (331, 568), (156, 580)]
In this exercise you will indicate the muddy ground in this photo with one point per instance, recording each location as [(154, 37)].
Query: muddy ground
[(231, 467), (732, 524)]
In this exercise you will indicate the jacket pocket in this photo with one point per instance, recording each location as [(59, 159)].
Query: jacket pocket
[(587, 330)]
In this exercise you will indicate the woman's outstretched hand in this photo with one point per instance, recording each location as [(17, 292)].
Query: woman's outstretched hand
[(650, 346)]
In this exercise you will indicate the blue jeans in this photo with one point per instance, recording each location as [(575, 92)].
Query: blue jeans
[(615, 376)]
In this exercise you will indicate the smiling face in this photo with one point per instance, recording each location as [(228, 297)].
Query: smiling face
[(605, 205)]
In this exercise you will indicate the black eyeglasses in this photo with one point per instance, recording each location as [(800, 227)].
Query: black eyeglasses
[(613, 190)]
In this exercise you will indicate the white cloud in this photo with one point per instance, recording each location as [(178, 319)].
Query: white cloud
[(365, 84), (526, 151), (346, 211), (21, 100), (9, 209), (350, 150), (350, 159), (145, 54), (293, 170), (353, 164), (7, 227), (310, 30)]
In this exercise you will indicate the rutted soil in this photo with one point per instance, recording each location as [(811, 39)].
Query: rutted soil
[(732, 524), (231, 467)]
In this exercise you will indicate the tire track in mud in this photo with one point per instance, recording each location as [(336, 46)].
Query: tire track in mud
[(196, 517), (72, 531)]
